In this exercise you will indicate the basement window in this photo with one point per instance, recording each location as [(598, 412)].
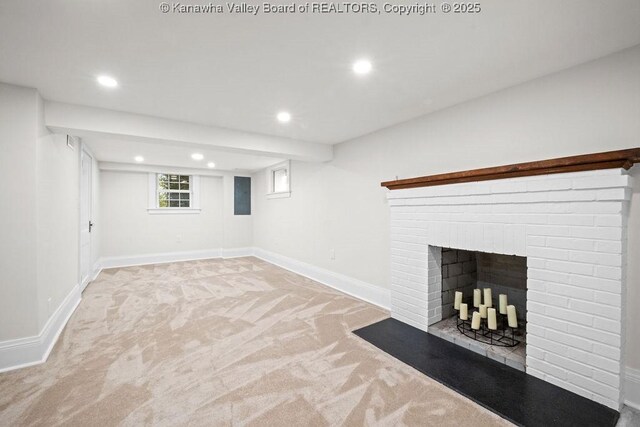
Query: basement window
[(173, 193), (279, 180)]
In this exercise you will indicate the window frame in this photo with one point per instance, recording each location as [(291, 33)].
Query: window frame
[(154, 195), (271, 193)]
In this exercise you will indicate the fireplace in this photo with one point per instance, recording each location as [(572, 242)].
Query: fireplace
[(469, 274), (569, 229)]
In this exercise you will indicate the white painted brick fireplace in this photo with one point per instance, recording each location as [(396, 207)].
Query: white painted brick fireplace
[(572, 229)]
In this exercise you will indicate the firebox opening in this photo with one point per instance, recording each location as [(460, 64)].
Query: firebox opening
[(465, 271)]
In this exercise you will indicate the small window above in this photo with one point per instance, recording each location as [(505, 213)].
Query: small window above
[(173, 193), (279, 180)]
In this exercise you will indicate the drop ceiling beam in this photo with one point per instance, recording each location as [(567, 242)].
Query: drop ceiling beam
[(89, 121)]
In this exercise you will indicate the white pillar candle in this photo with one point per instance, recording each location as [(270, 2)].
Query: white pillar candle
[(464, 313), (477, 298), (458, 300), (511, 316), (483, 311), (491, 319), (487, 297), (475, 321), (503, 303)]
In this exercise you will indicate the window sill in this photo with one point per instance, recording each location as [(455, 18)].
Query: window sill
[(170, 211), (280, 195)]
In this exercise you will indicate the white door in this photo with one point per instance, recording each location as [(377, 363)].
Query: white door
[(85, 218)]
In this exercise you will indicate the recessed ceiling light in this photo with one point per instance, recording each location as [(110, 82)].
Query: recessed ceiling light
[(362, 66), (138, 159), (107, 81), (211, 165), (284, 117), (197, 156)]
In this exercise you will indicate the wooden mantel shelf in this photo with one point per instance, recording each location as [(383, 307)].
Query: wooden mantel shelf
[(608, 160)]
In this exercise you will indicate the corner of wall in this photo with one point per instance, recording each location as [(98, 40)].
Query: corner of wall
[(632, 341), (28, 351), (45, 224)]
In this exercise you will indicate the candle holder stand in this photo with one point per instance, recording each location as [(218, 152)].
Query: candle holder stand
[(498, 337)]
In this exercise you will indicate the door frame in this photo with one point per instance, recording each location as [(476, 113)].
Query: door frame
[(84, 151)]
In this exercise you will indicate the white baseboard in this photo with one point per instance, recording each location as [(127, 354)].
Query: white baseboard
[(135, 260), (357, 288), (97, 268), (354, 287), (632, 388), (23, 352), (130, 261), (236, 252)]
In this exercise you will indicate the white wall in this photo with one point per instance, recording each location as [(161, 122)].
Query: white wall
[(340, 204), (18, 245), (57, 171), (39, 213), (129, 230)]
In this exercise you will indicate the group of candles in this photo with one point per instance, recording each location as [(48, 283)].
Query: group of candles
[(486, 310)]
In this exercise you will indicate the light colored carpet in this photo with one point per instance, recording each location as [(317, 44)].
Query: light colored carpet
[(224, 342), (629, 417)]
